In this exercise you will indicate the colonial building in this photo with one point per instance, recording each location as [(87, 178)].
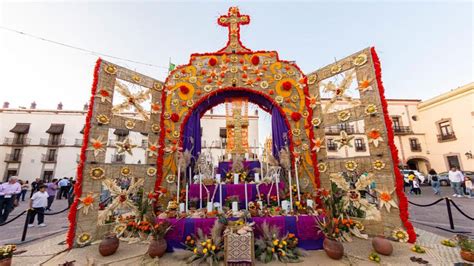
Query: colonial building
[(436, 133)]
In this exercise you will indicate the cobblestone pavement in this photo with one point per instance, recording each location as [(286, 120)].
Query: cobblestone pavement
[(11, 233), (428, 218)]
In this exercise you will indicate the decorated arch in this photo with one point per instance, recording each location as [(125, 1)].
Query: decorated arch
[(304, 105)]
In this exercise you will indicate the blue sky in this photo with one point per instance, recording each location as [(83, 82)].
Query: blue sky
[(426, 48)]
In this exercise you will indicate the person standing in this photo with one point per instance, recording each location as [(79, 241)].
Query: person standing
[(51, 189), (35, 186), (435, 182), (469, 187), (416, 186), (38, 203), (8, 192), (63, 185), (456, 178), (411, 178), (24, 189)]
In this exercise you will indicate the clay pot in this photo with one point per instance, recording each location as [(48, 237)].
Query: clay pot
[(467, 255), (382, 245), (334, 249), (109, 245), (157, 247), (6, 262)]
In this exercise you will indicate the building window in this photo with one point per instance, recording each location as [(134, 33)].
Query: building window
[(51, 155), (47, 176), (10, 173), (446, 131), (359, 144), (453, 161), (415, 145), (396, 122), (16, 155), (331, 145)]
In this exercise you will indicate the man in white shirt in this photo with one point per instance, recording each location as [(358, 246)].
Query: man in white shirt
[(38, 203), (8, 192), (456, 178)]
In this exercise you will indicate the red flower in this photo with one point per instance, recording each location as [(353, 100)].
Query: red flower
[(255, 60), (287, 85), (184, 89), (174, 117), (296, 116), (212, 61)]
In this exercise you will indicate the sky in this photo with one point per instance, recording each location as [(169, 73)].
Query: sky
[(425, 48)]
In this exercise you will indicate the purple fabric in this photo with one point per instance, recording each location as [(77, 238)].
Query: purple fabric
[(193, 125), (279, 132), (225, 167), (304, 227)]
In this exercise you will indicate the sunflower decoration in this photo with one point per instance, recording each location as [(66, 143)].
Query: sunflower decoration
[(122, 198), (151, 171), (83, 239), (125, 146), (344, 116), (87, 203), (97, 145), (344, 139), (400, 235), (264, 84), (386, 200), (152, 149), (351, 165), (119, 229), (105, 95), (322, 167), (371, 109), (171, 179), (103, 119), (129, 124), (359, 225), (318, 144), (279, 99), (316, 121), (359, 60), (364, 84), (97, 173), (375, 137), (378, 165)]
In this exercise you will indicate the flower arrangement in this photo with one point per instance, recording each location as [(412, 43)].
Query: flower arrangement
[(206, 248), (229, 199), (271, 246), (340, 228), (7, 251)]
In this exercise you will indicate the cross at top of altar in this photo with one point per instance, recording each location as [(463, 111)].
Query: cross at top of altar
[(232, 21)]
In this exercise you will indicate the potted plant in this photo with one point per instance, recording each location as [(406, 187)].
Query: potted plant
[(6, 254), (467, 248), (329, 226), (158, 245)]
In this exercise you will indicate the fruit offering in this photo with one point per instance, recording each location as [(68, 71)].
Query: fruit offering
[(418, 249), (448, 243), (374, 257)]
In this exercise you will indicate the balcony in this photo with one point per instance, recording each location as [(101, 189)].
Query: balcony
[(332, 147), (16, 141), (118, 158), (415, 147), (361, 148), (49, 158), (52, 142), (446, 137), (13, 158), (337, 130), (78, 142), (402, 130)]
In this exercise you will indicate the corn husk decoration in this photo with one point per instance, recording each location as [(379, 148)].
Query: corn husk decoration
[(285, 159), (184, 159)]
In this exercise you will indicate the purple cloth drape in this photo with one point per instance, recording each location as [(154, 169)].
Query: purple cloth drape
[(279, 132)]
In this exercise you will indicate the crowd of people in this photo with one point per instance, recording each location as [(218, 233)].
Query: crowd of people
[(42, 196)]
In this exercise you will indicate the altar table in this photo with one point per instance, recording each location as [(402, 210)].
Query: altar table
[(303, 226), (235, 190)]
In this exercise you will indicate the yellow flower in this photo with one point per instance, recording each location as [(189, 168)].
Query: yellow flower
[(284, 242), (195, 250), (280, 246), (208, 241), (213, 247), (275, 242), (273, 250), (204, 251), (203, 244), (208, 246), (283, 253)]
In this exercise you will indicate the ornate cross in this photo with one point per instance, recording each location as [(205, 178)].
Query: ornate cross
[(233, 20)]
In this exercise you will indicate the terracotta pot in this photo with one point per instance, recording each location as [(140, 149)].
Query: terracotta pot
[(382, 245), (109, 245), (334, 249), (157, 247), (467, 255), (6, 262)]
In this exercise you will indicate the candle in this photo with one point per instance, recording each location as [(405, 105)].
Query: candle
[(278, 189), (246, 197), (257, 178), (181, 207), (220, 196), (187, 191), (235, 206), (236, 178), (260, 203), (291, 189), (190, 176), (217, 205), (285, 205), (246, 156), (178, 193), (297, 179), (218, 178), (200, 191), (261, 168), (209, 206)]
